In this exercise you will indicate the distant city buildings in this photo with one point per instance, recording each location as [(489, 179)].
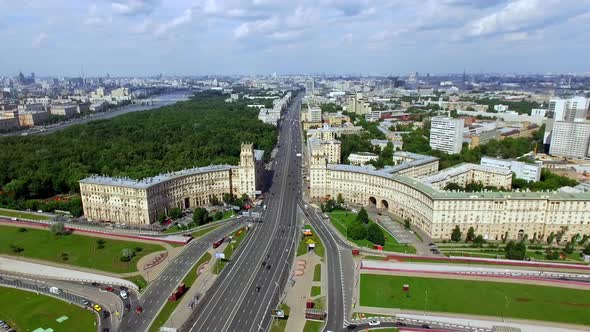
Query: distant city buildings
[(521, 170), (446, 134)]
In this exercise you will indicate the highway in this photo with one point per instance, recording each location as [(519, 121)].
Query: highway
[(341, 274), (156, 295), (251, 284)]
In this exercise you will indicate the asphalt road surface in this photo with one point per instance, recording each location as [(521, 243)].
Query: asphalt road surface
[(156, 295), (340, 272), (251, 283)]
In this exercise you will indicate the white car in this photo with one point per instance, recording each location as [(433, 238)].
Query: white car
[(123, 294), (374, 323)]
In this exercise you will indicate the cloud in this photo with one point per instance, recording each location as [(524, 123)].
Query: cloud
[(96, 16), (184, 18), (39, 39), (134, 7), (523, 15)]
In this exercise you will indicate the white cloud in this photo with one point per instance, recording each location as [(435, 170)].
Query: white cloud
[(134, 7), (183, 19), (39, 39)]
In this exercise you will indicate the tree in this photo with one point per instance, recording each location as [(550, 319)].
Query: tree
[(583, 240), (560, 233), (479, 240), (470, 234), (127, 254), (550, 238), (363, 216), (329, 205), (218, 215), (175, 213), (214, 200), (552, 254), (586, 250), (505, 237), (200, 216), (339, 199), (407, 223), (569, 248), (228, 198), (58, 228), (515, 250), (161, 217), (357, 231), (456, 235), (375, 234)]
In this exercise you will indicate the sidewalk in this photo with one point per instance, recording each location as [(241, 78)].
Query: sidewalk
[(204, 281), (475, 320), (299, 289)]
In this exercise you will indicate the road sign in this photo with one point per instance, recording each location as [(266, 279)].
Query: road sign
[(219, 255)]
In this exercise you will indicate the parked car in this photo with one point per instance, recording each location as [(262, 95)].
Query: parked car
[(123, 294), (374, 323), (97, 307)]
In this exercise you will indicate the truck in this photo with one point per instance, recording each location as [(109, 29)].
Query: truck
[(178, 292), (54, 290)]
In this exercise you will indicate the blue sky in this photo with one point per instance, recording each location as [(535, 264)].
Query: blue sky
[(144, 37)]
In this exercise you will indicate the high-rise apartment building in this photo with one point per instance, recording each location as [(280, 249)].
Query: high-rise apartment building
[(314, 114), (570, 139), (446, 134), (570, 109)]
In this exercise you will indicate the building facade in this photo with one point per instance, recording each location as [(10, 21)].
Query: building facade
[(446, 134), (522, 170), (570, 139), (361, 158), (141, 201), (437, 212)]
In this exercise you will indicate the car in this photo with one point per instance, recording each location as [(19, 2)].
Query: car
[(425, 326), (264, 263), (105, 330), (109, 289), (85, 302), (138, 310), (257, 288), (400, 324), (95, 284), (123, 294), (432, 244), (374, 323), (123, 288), (106, 314), (351, 326), (97, 307)]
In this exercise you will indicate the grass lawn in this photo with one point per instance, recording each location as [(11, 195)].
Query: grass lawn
[(170, 306), (319, 245), (278, 324), (26, 311), (344, 219), (317, 272), (477, 297), (320, 303), (313, 326), (229, 250), (202, 232), (21, 214), (80, 250), (316, 290), (139, 281)]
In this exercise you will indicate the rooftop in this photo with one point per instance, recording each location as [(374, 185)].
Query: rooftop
[(149, 182)]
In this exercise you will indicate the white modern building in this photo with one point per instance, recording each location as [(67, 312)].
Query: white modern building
[(446, 134), (501, 108), (314, 114), (570, 109), (522, 170), (570, 139), (539, 112)]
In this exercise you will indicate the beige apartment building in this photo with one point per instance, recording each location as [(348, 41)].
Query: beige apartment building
[(140, 201), (437, 212)]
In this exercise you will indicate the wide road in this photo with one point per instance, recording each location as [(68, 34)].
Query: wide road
[(252, 282), (341, 276), (156, 295)]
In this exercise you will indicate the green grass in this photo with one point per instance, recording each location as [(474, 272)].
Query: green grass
[(202, 232), (313, 326), (477, 297), (279, 325), (344, 219), (320, 303), (317, 272), (228, 251), (319, 246), (27, 311), (190, 278), (81, 250), (316, 290), (22, 214), (139, 281)]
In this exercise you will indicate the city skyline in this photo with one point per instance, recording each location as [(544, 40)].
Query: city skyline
[(148, 37)]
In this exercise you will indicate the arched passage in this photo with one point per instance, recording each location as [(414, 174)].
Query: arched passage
[(384, 204), (372, 201)]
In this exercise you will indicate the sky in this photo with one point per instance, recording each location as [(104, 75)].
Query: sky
[(182, 37)]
